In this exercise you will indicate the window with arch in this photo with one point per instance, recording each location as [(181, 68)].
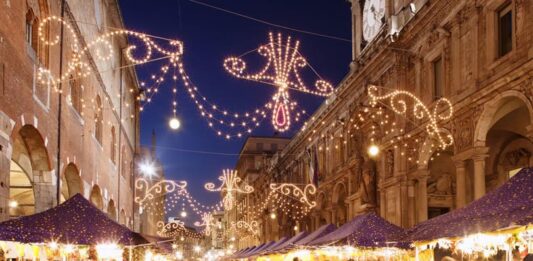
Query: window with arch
[(40, 50), (113, 145), (98, 120), (75, 93)]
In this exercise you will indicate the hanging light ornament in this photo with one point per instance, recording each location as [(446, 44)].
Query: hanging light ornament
[(230, 187), (282, 70), (442, 110)]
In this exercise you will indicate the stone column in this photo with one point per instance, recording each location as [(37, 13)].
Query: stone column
[(479, 175), (423, 196), (411, 202), (460, 182)]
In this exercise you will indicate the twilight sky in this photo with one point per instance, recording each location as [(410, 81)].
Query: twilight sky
[(209, 36)]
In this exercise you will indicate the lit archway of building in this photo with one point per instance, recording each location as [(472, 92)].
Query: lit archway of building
[(112, 210), (505, 127), (339, 196), (29, 159), (21, 194), (96, 197), (122, 218), (72, 183), (440, 184)]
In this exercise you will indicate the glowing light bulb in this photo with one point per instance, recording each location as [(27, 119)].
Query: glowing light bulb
[(373, 150), (174, 123), (13, 204), (183, 214), (272, 215)]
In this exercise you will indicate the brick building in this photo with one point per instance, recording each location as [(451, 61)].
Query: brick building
[(90, 139), (478, 54)]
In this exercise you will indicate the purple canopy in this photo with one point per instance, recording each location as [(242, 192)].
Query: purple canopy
[(259, 249), (279, 242), (509, 205), (289, 242), (367, 230), (320, 232), (76, 221), (246, 251)]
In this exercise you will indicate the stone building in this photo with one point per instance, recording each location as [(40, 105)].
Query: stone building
[(478, 54), (251, 168), (86, 133)]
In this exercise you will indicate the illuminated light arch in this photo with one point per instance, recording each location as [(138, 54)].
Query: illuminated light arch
[(282, 70), (442, 110), (230, 185)]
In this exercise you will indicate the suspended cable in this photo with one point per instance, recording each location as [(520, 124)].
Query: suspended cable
[(270, 23)]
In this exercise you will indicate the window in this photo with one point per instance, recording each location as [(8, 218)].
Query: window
[(98, 120), (505, 29), (438, 78), (29, 22), (113, 145), (75, 94)]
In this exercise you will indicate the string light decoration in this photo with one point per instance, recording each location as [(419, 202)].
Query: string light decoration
[(230, 186), (443, 110), (169, 229), (251, 227), (282, 70), (291, 190), (207, 222), (159, 189)]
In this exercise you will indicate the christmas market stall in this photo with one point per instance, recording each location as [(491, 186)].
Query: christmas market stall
[(259, 249), (496, 226), (73, 230)]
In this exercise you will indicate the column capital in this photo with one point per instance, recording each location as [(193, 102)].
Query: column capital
[(480, 153)]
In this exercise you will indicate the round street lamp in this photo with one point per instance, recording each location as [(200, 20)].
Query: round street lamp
[(373, 150), (174, 123)]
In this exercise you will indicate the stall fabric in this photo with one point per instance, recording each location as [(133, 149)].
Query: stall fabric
[(320, 232), (245, 252), (76, 221), (278, 243), (509, 205), (289, 242), (259, 249), (367, 230)]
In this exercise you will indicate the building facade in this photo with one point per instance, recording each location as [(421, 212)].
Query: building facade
[(84, 130), (478, 54), (251, 168)]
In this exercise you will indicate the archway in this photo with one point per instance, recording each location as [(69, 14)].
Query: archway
[(29, 160), (503, 128), (112, 210), (122, 218), (21, 193), (96, 197), (339, 197), (74, 184), (440, 184)]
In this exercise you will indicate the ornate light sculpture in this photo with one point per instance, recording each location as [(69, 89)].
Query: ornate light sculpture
[(442, 110), (282, 70), (251, 227), (207, 222), (160, 188), (230, 186), (292, 190), (170, 229)]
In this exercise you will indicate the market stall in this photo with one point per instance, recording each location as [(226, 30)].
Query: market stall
[(498, 225), (75, 229)]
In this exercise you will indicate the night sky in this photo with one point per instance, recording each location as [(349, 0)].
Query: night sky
[(209, 36)]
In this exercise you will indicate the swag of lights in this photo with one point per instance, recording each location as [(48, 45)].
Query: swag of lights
[(443, 110), (230, 186), (282, 70), (292, 190), (283, 59)]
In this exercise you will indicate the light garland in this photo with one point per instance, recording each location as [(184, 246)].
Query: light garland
[(251, 227), (170, 229), (158, 189), (420, 111), (289, 189), (282, 70), (230, 186)]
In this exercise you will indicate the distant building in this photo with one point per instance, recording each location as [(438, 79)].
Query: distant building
[(90, 142), (151, 216), (252, 164)]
